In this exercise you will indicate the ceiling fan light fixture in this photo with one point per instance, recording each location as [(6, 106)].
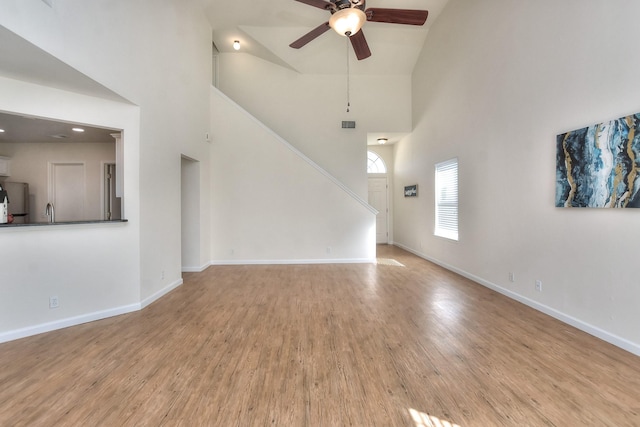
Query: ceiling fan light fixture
[(348, 21)]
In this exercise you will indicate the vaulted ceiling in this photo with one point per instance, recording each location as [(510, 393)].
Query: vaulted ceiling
[(21, 60), (265, 29)]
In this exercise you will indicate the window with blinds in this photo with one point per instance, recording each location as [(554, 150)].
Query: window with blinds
[(447, 199)]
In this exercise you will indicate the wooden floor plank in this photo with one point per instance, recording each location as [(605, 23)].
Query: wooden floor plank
[(398, 343)]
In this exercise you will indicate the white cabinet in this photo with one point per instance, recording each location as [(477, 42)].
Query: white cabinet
[(5, 162)]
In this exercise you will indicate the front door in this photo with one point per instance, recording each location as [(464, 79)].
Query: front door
[(379, 200)]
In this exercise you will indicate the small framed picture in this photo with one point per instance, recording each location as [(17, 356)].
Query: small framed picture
[(411, 190)]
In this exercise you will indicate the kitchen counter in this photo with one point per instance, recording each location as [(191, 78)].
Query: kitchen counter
[(48, 224)]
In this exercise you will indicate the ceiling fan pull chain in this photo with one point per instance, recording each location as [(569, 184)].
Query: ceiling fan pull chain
[(348, 103)]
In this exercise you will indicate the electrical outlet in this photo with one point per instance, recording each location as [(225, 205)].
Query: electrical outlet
[(328, 249), (162, 275), (512, 277), (54, 302), (539, 285)]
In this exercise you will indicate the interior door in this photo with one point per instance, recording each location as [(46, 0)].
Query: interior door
[(378, 198), (67, 190)]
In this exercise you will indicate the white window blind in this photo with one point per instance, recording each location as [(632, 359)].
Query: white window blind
[(447, 199)]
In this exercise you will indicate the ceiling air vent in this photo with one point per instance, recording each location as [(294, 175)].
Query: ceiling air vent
[(348, 125)]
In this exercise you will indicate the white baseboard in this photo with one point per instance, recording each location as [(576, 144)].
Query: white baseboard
[(162, 292), (65, 323), (293, 261), (563, 317), (85, 318), (195, 269)]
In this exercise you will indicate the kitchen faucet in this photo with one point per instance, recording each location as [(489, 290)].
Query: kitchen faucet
[(50, 212)]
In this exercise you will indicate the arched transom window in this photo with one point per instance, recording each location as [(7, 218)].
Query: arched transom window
[(375, 164)]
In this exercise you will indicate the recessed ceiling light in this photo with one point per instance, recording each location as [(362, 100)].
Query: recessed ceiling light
[(77, 129)]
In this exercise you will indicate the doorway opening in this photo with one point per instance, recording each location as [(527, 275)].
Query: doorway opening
[(112, 204), (379, 195), (190, 213)]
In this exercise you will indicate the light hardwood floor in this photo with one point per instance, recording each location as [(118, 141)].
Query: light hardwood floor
[(321, 345)]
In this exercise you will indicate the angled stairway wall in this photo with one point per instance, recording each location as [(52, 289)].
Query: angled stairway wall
[(272, 204)]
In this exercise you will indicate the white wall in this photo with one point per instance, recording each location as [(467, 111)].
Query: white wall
[(94, 270), (158, 56), (308, 110), (496, 82), (29, 163), (270, 205)]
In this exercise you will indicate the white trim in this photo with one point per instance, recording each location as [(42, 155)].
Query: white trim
[(162, 292), (65, 323), (570, 320), (293, 261), (196, 269), (85, 318), (298, 153)]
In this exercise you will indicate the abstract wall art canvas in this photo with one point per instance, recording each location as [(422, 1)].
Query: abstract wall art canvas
[(598, 166)]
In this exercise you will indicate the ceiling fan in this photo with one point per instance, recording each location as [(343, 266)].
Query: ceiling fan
[(348, 17)]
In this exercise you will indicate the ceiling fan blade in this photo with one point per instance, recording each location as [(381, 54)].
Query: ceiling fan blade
[(360, 45), (322, 4), (311, 35), (397, 16)]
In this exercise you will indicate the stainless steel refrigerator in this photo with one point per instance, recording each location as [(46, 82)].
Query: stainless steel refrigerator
[(18, 193)]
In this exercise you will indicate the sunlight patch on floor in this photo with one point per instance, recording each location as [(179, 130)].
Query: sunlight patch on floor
[(388, 261), (425, 420)]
